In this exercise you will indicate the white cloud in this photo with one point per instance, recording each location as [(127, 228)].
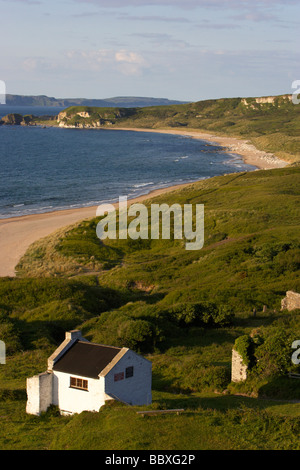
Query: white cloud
[(29, 64), (124, 61), (129, 57), (130, 63)]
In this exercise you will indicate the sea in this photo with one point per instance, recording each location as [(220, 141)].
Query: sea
[(49, 169)]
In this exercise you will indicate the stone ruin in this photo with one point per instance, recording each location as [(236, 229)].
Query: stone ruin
[(291, 301), (238, 368)]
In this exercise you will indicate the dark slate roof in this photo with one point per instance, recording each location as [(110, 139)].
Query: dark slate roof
[(86, 359)]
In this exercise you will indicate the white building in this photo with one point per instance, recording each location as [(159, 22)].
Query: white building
[(82, 376)]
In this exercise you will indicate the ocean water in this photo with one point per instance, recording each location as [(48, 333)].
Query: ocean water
[(35, 110), (48, 169)]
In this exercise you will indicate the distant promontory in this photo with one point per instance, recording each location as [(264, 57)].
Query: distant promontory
[(120, 101)]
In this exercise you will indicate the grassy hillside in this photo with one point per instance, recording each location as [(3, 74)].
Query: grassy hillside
[(271, 126), (182, 309), (250, 255)]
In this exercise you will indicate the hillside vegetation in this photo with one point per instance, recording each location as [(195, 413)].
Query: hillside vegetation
[(271, 124), (184, 310)]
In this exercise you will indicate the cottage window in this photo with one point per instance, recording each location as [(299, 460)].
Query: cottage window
[(119, 376), (82, 384), (129, 372)]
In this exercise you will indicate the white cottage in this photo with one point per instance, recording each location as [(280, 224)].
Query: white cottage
[(82, 376)]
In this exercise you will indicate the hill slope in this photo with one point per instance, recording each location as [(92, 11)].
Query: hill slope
[(250, 255), (181, 309), (124, 101)]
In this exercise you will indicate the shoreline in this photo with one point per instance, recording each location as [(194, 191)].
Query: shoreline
[(18, 233), (250, 154)]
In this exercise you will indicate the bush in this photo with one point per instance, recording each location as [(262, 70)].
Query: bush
[(204, 314), (274, 355), (9, 334), (203, 377), (120, 329), (136, 335), (244, 345), (268, 354)]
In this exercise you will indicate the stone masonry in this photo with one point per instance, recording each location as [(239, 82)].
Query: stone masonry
[(291, 301), (238, 368)]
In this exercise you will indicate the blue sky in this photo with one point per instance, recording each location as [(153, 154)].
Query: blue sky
[(178, 49)]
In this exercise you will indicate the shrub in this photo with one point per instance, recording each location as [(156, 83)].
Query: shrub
[(203, 314), (274, 354), (136, 334), (203, 377), (244, 345), (10, 336)]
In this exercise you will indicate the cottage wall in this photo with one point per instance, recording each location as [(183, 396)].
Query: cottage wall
[(71, 400), (135, 390), (127, 377), (39, 393)]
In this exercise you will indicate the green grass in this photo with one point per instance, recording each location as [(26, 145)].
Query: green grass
[(250, 256), (208, 423)]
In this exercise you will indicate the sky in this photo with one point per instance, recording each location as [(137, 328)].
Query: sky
[(187, 50)]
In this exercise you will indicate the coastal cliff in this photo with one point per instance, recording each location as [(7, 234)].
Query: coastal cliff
[(15, 119), (267, 100), (92, 117)]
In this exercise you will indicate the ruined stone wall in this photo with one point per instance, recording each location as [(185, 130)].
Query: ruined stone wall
[(291, 301), (238, 368)]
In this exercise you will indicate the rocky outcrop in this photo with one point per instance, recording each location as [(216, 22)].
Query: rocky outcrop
[(84, 114), (12, 120), (266, 99), (291, 301), (61, 116), (15, 119), (85, 120)]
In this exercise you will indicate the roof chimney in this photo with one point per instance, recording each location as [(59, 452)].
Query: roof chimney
[(73, 334), (70, 338)]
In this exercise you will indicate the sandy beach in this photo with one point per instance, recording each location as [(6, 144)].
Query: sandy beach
[(18, 233), (251, 155)]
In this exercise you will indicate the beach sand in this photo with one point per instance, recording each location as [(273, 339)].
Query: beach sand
[(18, 233), (251, 155)]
